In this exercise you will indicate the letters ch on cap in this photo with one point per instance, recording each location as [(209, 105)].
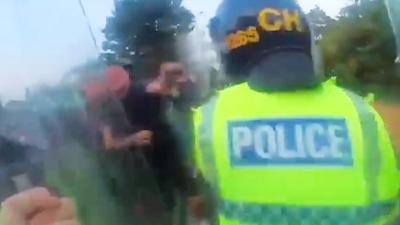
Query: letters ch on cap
[(269, 20)]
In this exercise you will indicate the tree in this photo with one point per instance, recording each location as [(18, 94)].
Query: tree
[(319, 21), (145, 31), (360, 47)]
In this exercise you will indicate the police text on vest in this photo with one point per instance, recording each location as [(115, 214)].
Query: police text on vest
[(297, 142)]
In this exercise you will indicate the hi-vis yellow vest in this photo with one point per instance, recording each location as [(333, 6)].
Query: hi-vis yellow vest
[(318, 156)]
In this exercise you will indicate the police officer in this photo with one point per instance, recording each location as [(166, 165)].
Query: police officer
[(283, 147)]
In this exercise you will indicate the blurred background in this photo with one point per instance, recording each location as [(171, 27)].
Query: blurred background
[(45, 42), (49, 44)]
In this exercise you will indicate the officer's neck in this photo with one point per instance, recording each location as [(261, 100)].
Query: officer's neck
[(286, 71)]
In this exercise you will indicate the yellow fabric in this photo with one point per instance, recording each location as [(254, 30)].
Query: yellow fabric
[(381, 221), (198, 158), (306, 186)]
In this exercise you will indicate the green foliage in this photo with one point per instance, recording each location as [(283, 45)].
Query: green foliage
[(145, 31), (319, 21), (359, 47)]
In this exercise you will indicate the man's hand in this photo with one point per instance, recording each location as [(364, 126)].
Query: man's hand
[(141, 138), (37, 207), (172, 76)]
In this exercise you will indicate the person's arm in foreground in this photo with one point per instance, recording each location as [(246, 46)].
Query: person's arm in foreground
[(37, 207)]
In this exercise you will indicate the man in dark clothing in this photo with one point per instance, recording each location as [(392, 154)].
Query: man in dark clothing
[(146, 105)]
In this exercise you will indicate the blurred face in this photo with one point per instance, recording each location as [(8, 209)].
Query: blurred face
[(173, 73)]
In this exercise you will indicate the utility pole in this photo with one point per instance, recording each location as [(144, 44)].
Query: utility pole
[(393, 8)]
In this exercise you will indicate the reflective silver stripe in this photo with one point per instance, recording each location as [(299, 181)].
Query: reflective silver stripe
[(273, 214), (206, 142), (372, 160)]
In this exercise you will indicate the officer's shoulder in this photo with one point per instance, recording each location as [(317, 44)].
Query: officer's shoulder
[(233, 89), (211, 101), (331, 85)]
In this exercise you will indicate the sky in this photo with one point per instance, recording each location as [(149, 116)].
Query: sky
[(41, 39), (206, 9)]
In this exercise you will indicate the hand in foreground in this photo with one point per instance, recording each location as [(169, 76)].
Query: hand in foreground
[(37, 207)]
